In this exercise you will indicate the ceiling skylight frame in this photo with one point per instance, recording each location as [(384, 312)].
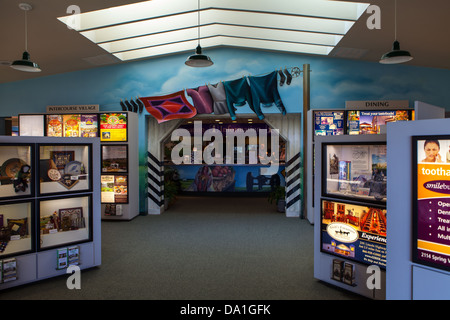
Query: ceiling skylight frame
[(138, 29)]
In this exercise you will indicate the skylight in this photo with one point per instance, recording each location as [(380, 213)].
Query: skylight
[(159, 27)]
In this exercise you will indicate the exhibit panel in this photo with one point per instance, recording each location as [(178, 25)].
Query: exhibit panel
[(64, 168), (119, 181), (415, 258), (350, 213), (16, 179), (42, 233)]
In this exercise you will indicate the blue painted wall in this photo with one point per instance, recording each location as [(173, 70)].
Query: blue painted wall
[(333, 81)]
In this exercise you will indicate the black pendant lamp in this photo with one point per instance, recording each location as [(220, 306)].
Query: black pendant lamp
[(396, 55), (25, 64), (198, 59)]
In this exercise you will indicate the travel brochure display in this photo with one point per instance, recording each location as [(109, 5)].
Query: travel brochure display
[(328, 123), (66, 257), (8, 270), (431, 218), (72, 125), (114, 189), (370, 122), (113, 127), (354, 232)]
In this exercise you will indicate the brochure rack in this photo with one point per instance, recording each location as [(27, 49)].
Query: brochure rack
[(50, 209), (350, 212)]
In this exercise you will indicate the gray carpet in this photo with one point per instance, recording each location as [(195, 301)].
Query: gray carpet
[(200, 249)]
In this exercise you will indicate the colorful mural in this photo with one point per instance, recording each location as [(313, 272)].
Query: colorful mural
[(333, 81)]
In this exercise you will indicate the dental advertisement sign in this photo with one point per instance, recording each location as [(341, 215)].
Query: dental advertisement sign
[(431, 201)]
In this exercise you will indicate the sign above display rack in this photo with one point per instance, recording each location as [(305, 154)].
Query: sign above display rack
[(89, 108), (377, 104)]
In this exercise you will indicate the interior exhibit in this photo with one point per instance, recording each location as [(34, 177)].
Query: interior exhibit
[(218, 150)]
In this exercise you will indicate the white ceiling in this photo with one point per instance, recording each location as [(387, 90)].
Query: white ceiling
[(422, 29)]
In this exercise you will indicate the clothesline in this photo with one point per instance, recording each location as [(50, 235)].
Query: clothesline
[(218, 98)]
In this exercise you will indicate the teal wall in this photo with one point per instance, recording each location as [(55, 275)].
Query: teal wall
[(333, 81)]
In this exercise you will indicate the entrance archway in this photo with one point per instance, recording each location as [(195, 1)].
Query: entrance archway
[(289, 128)]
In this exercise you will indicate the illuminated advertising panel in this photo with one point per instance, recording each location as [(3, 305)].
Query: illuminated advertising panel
[(370, 122), (354, 232), (328, 123), (431, 201), (113, 127)]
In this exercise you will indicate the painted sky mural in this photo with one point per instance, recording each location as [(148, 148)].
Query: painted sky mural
[(333, 81)]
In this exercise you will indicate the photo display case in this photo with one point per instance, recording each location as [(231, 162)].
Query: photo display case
[(114, 158), (64, 221), (16, 228), (370, 121), (431, 201), (355, 171), (355, 232), (64, 168), (16, 179)]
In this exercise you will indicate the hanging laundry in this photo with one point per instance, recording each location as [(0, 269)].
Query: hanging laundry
[(288, 76), (140, 104), (135, 106), (124, 107), (219, 97), (169, 107), (129, 106), (265, 91), (282, 77), (237, 94), (202, 99)]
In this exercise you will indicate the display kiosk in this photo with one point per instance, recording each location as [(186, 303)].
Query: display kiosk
[(49, 207), (419, 247), (118, 156), (350, 213)]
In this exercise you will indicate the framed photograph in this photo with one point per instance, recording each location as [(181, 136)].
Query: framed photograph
[(71, 218), (61, 158), (114, 158)]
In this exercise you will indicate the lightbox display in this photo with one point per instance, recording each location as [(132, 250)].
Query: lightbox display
[(328, 123), (370, 121), (431, 201), (354, 232), (113, 127)]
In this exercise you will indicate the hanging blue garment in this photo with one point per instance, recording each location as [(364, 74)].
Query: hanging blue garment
[(265, 91), (238, 93)]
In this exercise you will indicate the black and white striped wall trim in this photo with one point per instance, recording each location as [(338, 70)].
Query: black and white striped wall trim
[(155, 182), (293, 186)]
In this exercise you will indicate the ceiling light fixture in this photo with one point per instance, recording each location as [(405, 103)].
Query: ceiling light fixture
[(396, 55), (25, 64), (198, 59)]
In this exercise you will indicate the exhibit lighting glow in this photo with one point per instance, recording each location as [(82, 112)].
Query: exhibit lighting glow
[(161, 27)]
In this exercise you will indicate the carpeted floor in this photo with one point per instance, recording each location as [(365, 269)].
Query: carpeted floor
[(200, 249)]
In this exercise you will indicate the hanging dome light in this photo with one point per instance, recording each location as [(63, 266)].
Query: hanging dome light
[(395, 55), (25, 64), (198, 59)]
